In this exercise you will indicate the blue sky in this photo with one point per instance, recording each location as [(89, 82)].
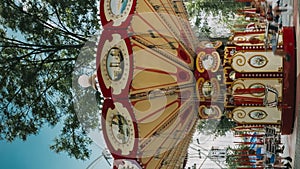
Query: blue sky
[(36, 154)]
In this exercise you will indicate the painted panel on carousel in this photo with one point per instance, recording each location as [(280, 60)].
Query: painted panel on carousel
[(208, 89), (254, 88), (119, 128), (210, 112), (116, 13), (208, 61), (257, 62), (254, 41), (114, 64), (257, 115)]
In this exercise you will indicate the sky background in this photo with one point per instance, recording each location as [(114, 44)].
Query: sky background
[(36, 154)]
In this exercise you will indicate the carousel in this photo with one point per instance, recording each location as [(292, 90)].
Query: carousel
[(158, 80)]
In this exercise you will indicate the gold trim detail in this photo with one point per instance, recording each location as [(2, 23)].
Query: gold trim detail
[(239, 113), (240, 59), (237, 85)]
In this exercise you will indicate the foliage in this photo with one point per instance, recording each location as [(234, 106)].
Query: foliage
[(71, 140), (216, 127), (205, 11), (39, 42)]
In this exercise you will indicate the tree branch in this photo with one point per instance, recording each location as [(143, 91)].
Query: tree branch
[(47, 25)]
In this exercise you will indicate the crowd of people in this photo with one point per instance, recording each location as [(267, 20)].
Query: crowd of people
[(269, 14), (274, 150), (271, 11), (265, 151)]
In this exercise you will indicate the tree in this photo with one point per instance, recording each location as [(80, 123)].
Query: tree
[(204, 12), (39, 42), (216, 127)]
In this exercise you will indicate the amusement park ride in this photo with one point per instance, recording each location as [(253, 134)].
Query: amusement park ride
[(158, 79)]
